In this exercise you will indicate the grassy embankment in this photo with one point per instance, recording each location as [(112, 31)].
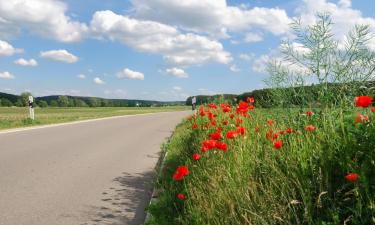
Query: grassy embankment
[(304, 182), (18, 117)]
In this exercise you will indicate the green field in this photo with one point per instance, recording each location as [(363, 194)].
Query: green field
[(18, 117)]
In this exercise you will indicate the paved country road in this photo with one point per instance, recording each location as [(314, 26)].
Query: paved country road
[(97, 172)]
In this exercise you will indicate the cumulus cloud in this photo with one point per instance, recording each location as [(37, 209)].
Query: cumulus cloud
[(253, 37), (97, 80), (7, 49), (81, 76), (6, 75), (260, 63), (177, 88), (24, 62), (247, 57), (130, 74), (59, 55), (46, 18), (215, 17), (177, 72), (153, 37), (234, 68), (343, 16)]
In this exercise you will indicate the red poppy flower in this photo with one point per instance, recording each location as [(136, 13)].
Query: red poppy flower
[(257, 129), (221, 146), (196, 156), (204, 149), (194, 126), (181, 196), (250, 100), (309, 113), (241, 131), (209, 144), (274, 136), (213, 123), (216, 136), (231, 116), (225, 122), (180, 173), (352, 177), (270, 122), (289, 130), (202, 113), (373, 109), (278, 144), (281, 132), (210, 115), (212, 106), (363, 101), (231, 134), (360, 118), (242, 108), (309, 128)]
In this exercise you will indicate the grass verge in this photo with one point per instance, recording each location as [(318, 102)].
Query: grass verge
[(13, 117), (323, 172)]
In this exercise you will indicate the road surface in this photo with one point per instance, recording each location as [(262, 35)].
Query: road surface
[(97, 172)]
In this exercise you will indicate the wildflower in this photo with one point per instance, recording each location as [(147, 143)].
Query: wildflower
[(196, 157), (373, 109), (274, 136), (360, 118), (231, 134), (352, 177), (241, 131), (194, 126), (210, 115), (180, 173), (216, 136), (309, 128), (289, 130), (181, 196), (270, 122), (309, 113), (209, 144), (250, 100), (221, 146), (281, 132), (231, 116), (363, 101), (257, 129), (202, 113), (225, 122), (212, 106), (278, 144), (242, 108)]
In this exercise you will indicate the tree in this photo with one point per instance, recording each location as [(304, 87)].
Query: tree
[(42, 104), (79, 103), (315, 56), (54, 103), (63, 101), (25, 98), (6, 102)]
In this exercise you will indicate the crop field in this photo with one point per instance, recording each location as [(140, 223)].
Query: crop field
[(243, 165), (11, 117)]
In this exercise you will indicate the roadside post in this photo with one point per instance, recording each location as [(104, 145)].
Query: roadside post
[(31, 107)]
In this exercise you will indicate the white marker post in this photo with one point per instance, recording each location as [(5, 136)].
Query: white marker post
[(31, 107)]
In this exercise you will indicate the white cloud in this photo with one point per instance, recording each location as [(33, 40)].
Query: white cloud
[(177, 88), (24, 62), (253, 37), (158, 38), (6, 75), (215, 17), (7, 49), (97, 80), (128, 73), (343, 16), (59, 55), (177, 72), (46, 18), (234, 68), (81, 76), (247, 57), (260, 64)]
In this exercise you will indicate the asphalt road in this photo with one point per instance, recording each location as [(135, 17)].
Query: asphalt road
[(97, 172)]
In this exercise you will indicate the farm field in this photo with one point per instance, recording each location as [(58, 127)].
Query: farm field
[(242, 165), (14, 117)]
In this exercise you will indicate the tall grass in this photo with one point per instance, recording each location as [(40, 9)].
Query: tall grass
[(254, 183)]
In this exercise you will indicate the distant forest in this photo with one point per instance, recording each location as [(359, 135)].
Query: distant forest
[(8, 100)]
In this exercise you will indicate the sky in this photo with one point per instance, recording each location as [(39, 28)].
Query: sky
[(153, 49)]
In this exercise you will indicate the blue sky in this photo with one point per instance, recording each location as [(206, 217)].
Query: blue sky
[(152, 49)]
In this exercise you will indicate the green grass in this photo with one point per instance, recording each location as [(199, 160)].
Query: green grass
[(18, 117), (253, 183)]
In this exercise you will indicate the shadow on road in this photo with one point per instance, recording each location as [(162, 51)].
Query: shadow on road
[(125, 202)]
